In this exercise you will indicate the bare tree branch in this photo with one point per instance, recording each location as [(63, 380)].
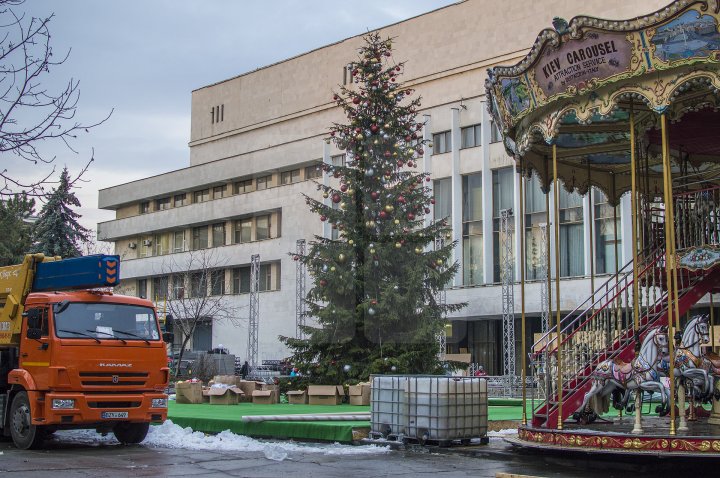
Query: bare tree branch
[(30, 115)]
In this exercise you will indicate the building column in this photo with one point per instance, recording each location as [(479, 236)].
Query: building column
[(587, 241), (427, 167), (456, 186), (518, 225), (487, 197), (625, 229), (326, 182)]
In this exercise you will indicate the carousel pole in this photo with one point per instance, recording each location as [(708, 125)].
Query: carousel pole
[(636, 295), (667, 188), (522, 293), (615, 237), (557, 288), (592, 242), (673, 265), (712, 323), (714, 418)]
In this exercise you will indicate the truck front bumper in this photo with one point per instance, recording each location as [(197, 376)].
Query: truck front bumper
[(101, 408)]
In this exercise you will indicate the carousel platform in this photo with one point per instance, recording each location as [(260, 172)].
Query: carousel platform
[(615, 437)]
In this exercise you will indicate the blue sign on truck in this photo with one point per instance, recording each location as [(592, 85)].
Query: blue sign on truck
[(85, 272)]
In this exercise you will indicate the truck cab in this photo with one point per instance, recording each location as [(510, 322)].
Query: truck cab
[(83, 359)]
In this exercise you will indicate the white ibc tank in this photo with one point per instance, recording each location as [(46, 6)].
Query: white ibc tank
[(388, 410), (446, 408)]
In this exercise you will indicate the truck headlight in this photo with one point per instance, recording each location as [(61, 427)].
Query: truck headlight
[(159, 403), (63, 403)]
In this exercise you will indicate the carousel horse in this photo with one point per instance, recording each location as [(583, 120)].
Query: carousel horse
[(643, 373), (694, 369)]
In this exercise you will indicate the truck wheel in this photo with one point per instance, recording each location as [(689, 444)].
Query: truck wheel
[(131, 433), (24, 434)]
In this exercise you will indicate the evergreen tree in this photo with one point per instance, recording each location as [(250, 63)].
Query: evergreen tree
[(57, 232), (375, 287), (15, 237)]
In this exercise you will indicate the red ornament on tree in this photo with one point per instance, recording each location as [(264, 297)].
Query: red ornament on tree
[(383, 215), (323, 282), (336, 198), (356, 100), (343, 187), (374, 195), (411, 216), (323, 218)]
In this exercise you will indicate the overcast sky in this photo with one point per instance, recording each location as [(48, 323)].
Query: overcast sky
[(142, 59)]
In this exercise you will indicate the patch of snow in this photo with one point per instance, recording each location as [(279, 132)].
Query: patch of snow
[(503, 432), (170, 435)]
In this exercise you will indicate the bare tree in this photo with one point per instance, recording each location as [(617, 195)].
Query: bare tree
[(30, 115), (95, 246), (196, 293)]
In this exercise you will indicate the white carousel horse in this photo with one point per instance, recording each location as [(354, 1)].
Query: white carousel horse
[(693, 368), (643, 373)]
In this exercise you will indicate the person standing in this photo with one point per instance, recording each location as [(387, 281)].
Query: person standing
[(244, 370)]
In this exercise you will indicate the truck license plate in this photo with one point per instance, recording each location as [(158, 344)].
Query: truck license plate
[(114, 414)]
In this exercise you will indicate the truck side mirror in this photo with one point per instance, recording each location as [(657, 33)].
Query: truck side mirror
[(34, 333), (168, 337), (34, 318)]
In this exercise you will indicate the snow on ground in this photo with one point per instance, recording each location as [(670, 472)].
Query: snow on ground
[(170, 435), (504, 432)]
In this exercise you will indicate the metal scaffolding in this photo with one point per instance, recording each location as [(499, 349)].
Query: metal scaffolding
[(441, 300), (543, 278), (300, 306), (254, 310), (508, 299)]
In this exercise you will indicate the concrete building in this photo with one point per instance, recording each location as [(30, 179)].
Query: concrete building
[(256, 141)]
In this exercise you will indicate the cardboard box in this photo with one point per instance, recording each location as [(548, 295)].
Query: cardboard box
[(248, 387), (359, 394), (231, 380), (325, 394), (275, 389), (224, 396), (188, 392), (297, 397), (265, 397)]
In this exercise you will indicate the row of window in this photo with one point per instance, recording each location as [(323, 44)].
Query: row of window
[(606, 230), (470, 137), (238, 187), (249, 229), (211, 282)]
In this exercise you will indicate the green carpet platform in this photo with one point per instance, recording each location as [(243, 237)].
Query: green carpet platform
[(216, 418)]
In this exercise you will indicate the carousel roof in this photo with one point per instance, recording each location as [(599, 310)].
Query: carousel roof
[(583, 81)]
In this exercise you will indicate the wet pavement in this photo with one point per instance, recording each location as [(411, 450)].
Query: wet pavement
[(114, 460)]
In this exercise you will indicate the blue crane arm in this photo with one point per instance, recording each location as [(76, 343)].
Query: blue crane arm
[(85, 272)]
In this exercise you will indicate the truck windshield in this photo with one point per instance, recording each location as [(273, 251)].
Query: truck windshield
[(79, 320)]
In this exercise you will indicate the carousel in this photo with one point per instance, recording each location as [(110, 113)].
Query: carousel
[(630, 108)]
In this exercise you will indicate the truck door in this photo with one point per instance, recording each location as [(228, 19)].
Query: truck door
[(35, 350)]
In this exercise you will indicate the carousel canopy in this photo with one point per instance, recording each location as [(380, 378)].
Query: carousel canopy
[(583, 83)]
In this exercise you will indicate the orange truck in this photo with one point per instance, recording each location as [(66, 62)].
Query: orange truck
[(74, 355)]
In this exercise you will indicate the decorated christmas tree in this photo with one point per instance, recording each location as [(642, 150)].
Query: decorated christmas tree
[(374, 295)]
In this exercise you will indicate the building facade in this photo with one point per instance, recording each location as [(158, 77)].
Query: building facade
[(257, 140)]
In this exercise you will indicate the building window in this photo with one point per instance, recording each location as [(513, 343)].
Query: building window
[(198, 284), (142, 288), (572, 243), (265, 278), (495, 136), (289, 177), (217, 282), (535, 215), (162, 204), (201, 196), (144, 207), (470, 136), (242, 187), (219, 192), (503, 183), (607, 245), (162, 244), (263, 182), (178, 291), (218, 234), (243, 230), (146, 248), (442, 142), (178, 241), (200, 237), (180, 200), (217, 114), (337, 160), (472, 229), (313, 172), (442, 193), (262, 227), (160, 288), (241, 280)]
